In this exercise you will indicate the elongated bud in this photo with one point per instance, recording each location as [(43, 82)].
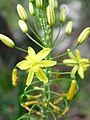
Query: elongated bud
[(7, 41), (63, 15), (50, 15), (14, 77), (23, 26), (30, 0), (39, 3), (68, 29), (31, 9), (53, 3), (21, 12), (83, 36), (72, 90)]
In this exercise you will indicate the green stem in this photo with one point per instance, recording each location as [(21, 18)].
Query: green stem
[(18, 48), (34, 40), (65, 53), (58, 34), (61, 73), (39, 38), (59, 42)]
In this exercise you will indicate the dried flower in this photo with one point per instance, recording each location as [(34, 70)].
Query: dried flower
[(14, 77), (72, 90)]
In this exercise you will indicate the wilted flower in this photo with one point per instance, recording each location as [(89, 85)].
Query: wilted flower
[(72, 90), (33, 63)]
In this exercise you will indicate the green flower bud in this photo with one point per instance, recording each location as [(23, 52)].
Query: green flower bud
[(23, 26), (68, 28), (50, 15), (7, 41), (53, 3), (21, 12), (30, 0), (39, 3), (31, 9), (83, 36), (62, 15)]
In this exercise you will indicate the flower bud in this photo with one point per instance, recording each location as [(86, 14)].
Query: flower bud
[(62, 15), (53, 3), (23, 26), (14, 77), (31, 9), (21, 12), (68, 28), (30, 0), (83, 36), (7, 41), (39, 3), (72, 90), (50, 15)]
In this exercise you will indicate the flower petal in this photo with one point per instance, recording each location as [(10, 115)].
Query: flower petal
[(24, 64), (81, 72), (30, 77), (69, 62), (31, 52), (70, 54), (42, 54), (41, 76), (73, 71), (46, 63), (77, 53)]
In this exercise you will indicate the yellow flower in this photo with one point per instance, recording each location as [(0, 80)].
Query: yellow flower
[(34, 62), (80, 64)]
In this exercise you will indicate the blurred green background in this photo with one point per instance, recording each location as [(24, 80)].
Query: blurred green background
[(79, 12)]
